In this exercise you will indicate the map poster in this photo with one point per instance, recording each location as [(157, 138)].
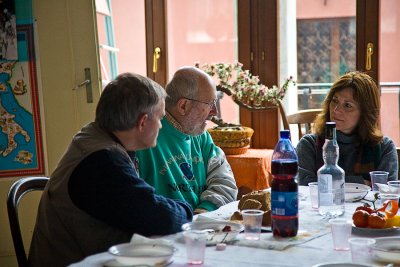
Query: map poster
[(21, 147)]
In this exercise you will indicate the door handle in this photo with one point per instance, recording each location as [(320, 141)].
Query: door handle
[(368, 60), (88, 83), (156, 57)]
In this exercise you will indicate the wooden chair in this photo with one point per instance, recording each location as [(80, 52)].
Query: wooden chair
[(15, 194), (301, 118)]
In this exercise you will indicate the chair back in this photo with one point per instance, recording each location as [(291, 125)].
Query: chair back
[(303, 118), (15, 194)]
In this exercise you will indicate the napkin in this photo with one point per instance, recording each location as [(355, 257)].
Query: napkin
[(267, 241), (140, 240), (203, 218), (311, 226)]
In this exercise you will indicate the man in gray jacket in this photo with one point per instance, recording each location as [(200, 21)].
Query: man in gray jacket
[(95, 198)]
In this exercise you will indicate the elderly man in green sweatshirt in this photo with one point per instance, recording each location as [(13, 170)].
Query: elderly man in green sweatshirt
[(186, 164)]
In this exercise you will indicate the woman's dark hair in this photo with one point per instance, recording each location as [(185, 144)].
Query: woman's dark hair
[(366, 94)]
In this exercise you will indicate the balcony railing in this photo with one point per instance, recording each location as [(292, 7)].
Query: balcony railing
[(311, 95)]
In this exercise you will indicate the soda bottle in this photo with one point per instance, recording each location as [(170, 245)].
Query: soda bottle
[(330, 177), (284, 188)]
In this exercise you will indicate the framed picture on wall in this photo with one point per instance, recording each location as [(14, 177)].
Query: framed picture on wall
[(8, 31), (21, 147)]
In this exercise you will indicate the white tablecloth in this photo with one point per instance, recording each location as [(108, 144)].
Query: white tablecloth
[(309, 248)]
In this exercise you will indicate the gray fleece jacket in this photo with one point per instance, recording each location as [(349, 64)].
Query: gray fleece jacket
[(309, 155)]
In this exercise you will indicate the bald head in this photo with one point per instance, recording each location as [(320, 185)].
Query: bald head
[(187, 82)]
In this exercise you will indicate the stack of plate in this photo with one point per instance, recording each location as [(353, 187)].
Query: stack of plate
[(387, 250), (218, 232), (143, 254)]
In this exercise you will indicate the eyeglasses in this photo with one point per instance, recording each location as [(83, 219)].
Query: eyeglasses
[(211, 104), (346, 106)]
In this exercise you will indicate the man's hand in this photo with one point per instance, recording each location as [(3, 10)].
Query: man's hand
[(198, 211)]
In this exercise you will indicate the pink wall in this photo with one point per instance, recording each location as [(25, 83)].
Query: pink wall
[(130, 36), (201, 30)]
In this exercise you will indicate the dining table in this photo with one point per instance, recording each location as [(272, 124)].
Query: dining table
[(312, 246)]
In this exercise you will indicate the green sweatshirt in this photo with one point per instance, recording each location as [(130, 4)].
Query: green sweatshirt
[(189, 168)]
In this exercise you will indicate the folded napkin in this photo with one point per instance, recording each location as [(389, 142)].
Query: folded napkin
[(203, 218), (140, 240), (267, 241), (311, 226)]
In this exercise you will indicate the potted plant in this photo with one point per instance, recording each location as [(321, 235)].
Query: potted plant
[(245, 88)]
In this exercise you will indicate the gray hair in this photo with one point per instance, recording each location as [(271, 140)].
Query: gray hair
[(125, 99), (185, 83)]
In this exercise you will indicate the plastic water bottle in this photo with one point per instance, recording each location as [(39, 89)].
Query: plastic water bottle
[(284, 188), (331, 192)]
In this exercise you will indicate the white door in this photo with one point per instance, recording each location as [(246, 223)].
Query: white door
[(66, 45)]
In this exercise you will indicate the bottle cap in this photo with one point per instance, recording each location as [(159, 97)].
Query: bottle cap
[(330, 124), (330, 127), (285, 134)]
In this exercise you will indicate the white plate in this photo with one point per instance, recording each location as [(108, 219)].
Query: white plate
[(355, 192), (215, 229), (386, 249), (340, 264), (115, 263), (151, 254)]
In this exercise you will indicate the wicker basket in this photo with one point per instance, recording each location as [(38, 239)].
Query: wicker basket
[(233, 143)]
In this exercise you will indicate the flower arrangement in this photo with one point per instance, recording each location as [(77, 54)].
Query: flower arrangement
[(245, 89)]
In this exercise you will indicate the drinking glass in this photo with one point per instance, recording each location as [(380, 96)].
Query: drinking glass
[(378, 177), (341, 231), (252, 220), (195, 246), (313, 194)]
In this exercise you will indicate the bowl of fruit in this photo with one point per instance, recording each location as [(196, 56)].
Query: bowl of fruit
[(383, 219)]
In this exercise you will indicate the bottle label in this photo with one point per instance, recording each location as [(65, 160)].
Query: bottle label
[(340, 195), (326, 195), (284, 203)]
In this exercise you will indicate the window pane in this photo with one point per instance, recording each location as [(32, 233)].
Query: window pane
[(203, 31), (326, 47), (129, 37), (389, 70)]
